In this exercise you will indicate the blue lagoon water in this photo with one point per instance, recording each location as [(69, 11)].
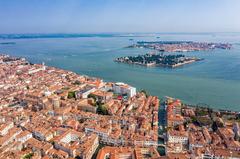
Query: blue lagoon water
[(214, 81)]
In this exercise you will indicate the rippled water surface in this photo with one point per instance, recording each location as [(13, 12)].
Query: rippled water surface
[(214, 81)]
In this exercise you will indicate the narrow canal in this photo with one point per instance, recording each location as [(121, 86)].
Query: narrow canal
[(161, 127)]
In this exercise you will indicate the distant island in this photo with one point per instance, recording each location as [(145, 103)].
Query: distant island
[(152, 59), (180, 46), (7, 43)]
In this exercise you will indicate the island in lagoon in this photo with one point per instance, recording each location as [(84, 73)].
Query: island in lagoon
[(180, 46), (152, 59), (42, 107)]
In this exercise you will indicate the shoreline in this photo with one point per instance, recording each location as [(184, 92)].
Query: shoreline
[(186, 103), (160, 65), (59, 92), (180, 46)]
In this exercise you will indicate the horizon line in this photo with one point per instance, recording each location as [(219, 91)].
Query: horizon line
[(67, 33)]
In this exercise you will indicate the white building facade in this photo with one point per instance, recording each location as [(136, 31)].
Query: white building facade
[(122, 88)]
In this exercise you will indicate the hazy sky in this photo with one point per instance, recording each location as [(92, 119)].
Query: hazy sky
[(87, 16)]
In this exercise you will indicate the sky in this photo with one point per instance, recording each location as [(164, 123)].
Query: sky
[(110, 16)]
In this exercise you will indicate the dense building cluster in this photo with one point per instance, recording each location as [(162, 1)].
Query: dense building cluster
[(201, 132), (128, 152), (47, 112), (181, 46)]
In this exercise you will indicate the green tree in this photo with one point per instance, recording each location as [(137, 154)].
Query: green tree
[(214, 126), (28, 156), (71, 94), (77, 82), (145, 92), (194, 119), (92, 96), (102, 110)]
